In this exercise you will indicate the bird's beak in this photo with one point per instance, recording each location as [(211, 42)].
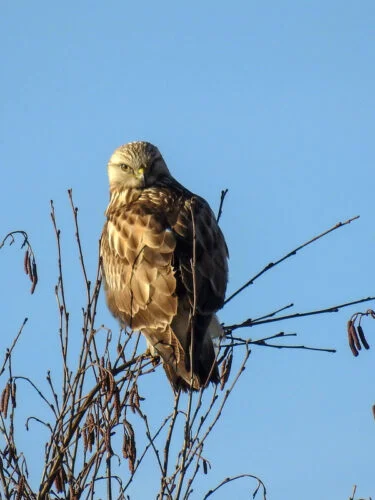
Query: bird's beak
[(141, 175)]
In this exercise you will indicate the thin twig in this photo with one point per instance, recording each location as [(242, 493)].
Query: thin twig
[(222, 404), (168, 443), (289, 254), (30, 266), (80, 252), (249, 322), (10, 349), (234, 478), (187, 428)]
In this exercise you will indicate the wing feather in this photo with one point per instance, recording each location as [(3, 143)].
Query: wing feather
[(137, 253), (211, 269)]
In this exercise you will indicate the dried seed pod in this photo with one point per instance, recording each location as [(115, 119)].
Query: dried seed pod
[(125, 445), (362, 337), (34, 277), (91, 440), (60, 480), (26, 263), (351, 338), (225, 369), (128, 448), (117, 404), (21, 489), (85, 437), (13, 394), (204, 466), (355, 337), (90, 431), (111, 382), (5, 400), (103, 375), (90, 421), (134, 398)]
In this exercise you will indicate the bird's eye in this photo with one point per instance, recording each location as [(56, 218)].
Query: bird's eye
[(124, 167)]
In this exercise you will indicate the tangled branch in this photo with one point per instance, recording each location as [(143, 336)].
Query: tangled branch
[(98, 418)]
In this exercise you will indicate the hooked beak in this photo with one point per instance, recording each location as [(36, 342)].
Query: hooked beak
[(141, 176)]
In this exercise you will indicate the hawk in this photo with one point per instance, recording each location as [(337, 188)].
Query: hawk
[(164, 261)]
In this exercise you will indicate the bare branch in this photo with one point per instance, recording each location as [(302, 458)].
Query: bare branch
[(289, 254), (333, 309), (234, 478), (99, 395)]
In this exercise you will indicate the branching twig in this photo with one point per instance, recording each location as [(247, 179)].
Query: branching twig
[(236, 341), (249, 322), (234, 478), (289, 254), (10, 349), (100, 394)]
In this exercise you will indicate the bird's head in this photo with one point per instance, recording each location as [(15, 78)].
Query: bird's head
[(136, 165)]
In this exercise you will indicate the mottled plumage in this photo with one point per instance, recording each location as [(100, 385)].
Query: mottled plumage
[(155, 231)]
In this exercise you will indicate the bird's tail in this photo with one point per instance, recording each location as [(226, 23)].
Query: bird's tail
[(181, 372)]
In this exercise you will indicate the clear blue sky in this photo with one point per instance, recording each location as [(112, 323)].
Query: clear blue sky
[(274, 101)]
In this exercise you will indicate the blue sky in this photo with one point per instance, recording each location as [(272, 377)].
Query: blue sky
[(274, 101)]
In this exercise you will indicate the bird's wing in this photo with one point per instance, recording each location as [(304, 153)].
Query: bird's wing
[(137, 252), (201, 255), (200, 259)]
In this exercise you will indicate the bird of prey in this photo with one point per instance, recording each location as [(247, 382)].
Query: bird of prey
[(164, 262)]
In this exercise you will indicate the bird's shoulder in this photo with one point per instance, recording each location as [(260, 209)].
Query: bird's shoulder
[(168, 206)]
